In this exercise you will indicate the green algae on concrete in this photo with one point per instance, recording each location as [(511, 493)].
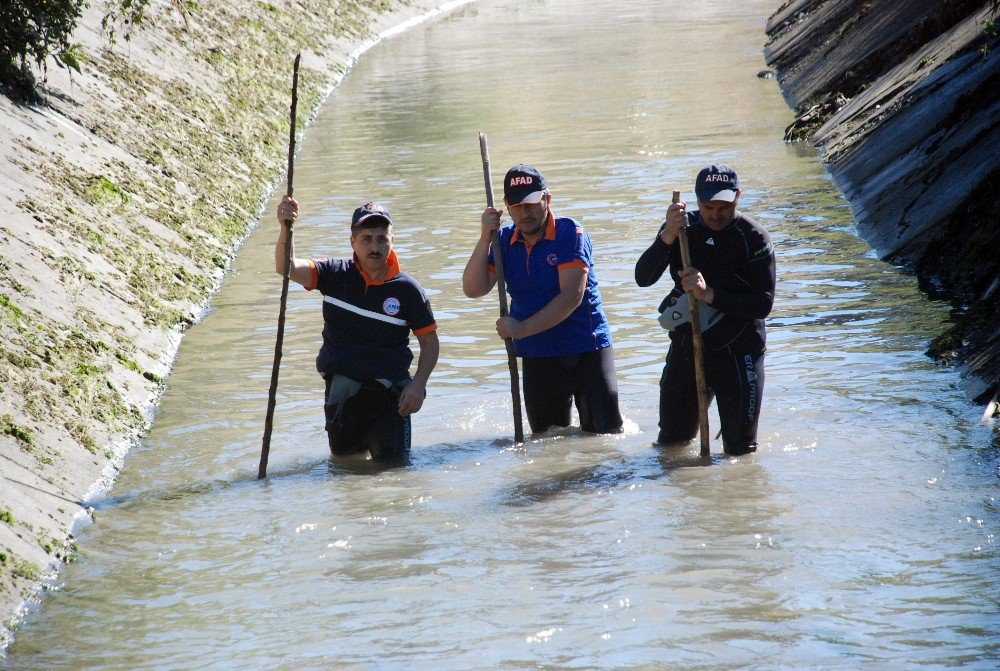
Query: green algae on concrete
[(130, 207)]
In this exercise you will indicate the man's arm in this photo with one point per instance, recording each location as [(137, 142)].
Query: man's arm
[(412, 397), (650, 266), (477, 278), (572, 285), (759, 272), (301, 269), (756, 303)]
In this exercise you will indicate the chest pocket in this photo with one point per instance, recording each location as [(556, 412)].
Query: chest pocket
[(538, 272), (723, 263)]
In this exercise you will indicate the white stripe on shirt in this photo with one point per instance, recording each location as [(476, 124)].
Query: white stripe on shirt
[(364, 313)]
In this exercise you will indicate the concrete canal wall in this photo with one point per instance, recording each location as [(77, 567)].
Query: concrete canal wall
[(122, 200), (902, 97)]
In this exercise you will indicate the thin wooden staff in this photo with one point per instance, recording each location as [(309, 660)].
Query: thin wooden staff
[(699, 365), (272, 393), (515, 378)]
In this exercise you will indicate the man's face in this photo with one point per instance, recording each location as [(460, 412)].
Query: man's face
[(530, 219), (372, 247), (717, 214)]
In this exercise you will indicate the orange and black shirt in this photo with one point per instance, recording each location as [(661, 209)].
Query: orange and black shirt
[(367, 324)]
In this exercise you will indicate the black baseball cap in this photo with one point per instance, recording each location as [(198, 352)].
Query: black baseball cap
[(367, 211), (523, 185), (717, 182)]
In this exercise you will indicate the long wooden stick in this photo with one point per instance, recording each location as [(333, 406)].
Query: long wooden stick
[(699, 364), (272, 393), (515, 378)]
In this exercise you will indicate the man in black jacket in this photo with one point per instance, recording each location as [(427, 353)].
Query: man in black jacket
[(732, 275)]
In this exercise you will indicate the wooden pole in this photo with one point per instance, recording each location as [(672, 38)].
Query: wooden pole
[(699, 365), (272, 393), (515, 378)]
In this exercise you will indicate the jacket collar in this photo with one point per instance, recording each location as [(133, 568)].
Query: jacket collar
[(392, 261), (550, 230)]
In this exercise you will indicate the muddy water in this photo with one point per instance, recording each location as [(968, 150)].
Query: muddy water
[(860, 535)]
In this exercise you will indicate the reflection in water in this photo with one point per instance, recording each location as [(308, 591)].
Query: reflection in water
[(607, 475), (860, 535)]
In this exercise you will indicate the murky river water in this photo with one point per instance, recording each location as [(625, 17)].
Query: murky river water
[(860, 535)]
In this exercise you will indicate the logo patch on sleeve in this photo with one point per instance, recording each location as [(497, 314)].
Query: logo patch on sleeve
[(552, 259), (391, 306)]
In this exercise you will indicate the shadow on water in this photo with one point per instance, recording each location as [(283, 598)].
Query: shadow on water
[(441, 454), (677, 455), (189, 490), (449, 454), (661, 461), (608, 475)]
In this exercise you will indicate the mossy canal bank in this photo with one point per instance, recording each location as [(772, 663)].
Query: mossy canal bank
[(123, 198), (901, 97)]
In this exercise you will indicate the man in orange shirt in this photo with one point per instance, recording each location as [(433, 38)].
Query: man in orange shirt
[(369, 308)]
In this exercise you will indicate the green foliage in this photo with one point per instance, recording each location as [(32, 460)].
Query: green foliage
[(991, 29), (123, 17), (5, 303), (131, 365), (71, 57), (30, 32), (102, 191), (28, 570), (8, 428), (6, 517), (126, 16)]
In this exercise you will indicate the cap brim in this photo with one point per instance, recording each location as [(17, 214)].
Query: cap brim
[(373, 215), (530, 199), (727, 195)]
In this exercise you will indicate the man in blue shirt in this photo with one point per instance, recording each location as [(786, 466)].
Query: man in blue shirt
[(556, 317)]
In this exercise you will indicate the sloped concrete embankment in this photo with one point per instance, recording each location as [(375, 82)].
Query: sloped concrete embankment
[(902, 97), (122, 200)]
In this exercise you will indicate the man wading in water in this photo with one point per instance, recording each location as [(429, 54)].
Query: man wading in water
[(369, 309), (556, 318), (732, 275)]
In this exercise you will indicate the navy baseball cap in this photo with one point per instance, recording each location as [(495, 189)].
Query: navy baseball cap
[(523, 185), (717, 182), (367, 211)]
